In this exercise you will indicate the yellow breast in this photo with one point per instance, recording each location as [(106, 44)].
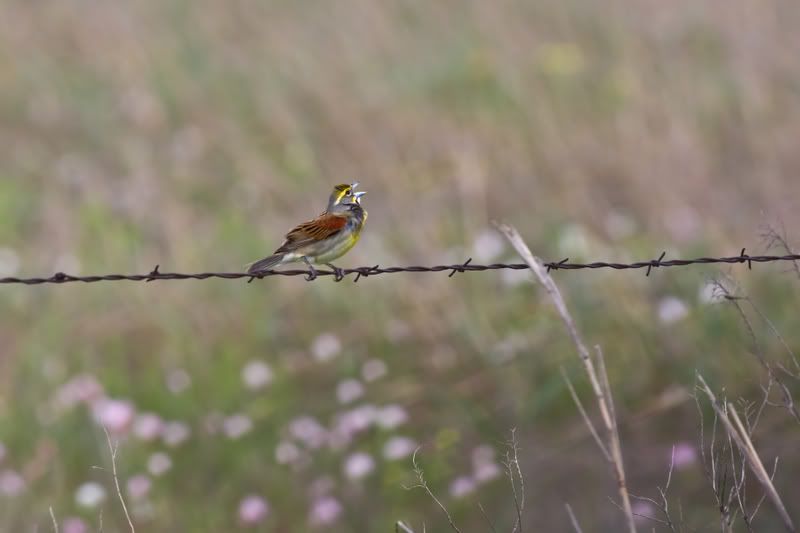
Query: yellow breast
[(338, 245)]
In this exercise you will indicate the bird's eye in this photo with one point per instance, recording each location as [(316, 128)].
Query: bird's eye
[(349, 192)]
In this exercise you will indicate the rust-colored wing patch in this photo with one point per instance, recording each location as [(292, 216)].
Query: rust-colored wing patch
[(322, 227)]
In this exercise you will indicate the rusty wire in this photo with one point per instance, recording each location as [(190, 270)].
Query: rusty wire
[(467, 266)]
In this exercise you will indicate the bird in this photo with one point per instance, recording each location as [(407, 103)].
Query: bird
[(323, 239)]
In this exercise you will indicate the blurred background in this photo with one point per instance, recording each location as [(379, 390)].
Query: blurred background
[(193, 135)]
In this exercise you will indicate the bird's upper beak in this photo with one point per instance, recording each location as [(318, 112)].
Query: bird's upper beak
[(357, 195)]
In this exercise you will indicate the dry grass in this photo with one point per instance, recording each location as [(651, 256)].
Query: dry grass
[(612, 449), (194, 134), (730, 419), (112, 449)]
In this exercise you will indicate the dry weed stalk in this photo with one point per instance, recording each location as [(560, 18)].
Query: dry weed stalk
[(775, 238), (53, 518), (486, 517), (740, 436), (515, 477), (599, 381), (718, 472), (514, 470), (663, 505), (774, 377), (422, 484), (113, 450), (401, 526), (573, 519)]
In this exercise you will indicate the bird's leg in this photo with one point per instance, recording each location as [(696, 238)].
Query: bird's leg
[(338, 273), (312, 273)]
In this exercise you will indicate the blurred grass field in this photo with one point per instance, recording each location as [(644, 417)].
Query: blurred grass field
[(194, 134)]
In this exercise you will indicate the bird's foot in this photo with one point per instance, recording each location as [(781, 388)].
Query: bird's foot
[(338, 273), (312, 273)]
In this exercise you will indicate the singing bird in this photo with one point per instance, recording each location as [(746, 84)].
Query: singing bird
[(325, 238)]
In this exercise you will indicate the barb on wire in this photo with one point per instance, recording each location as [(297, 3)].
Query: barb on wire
[(366, 271)]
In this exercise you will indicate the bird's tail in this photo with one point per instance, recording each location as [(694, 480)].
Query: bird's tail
[(265, 264)]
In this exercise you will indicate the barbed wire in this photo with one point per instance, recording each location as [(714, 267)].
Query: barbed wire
[(366, 271)]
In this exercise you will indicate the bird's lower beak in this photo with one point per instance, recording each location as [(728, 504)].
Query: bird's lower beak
[(359, 194)]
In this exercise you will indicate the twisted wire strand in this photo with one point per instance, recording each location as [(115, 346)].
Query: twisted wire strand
[(365, 271)]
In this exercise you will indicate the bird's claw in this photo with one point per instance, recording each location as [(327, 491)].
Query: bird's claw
[(338, 273), (312, 273)]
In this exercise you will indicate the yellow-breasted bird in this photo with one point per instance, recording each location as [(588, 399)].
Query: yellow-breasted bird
[(325, 238)]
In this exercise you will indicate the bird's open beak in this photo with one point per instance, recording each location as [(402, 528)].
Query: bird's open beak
[(358, 196)]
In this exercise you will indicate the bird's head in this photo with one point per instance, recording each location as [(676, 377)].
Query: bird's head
[(345, 195)]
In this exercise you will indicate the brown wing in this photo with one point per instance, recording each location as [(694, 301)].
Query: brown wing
[(322, 227)]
